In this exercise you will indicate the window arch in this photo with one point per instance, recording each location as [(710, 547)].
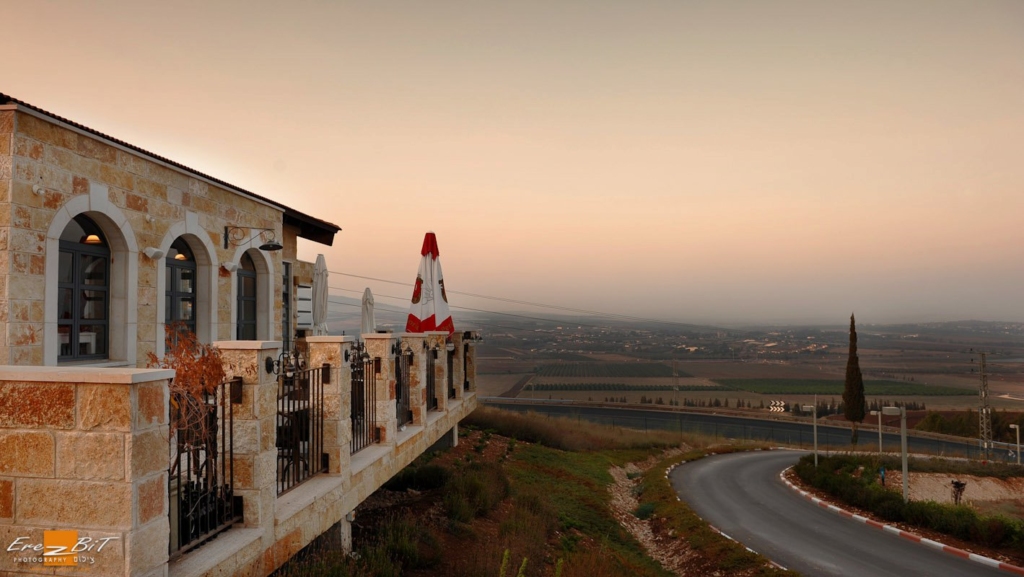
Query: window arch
[(83, 291), (247, 299)]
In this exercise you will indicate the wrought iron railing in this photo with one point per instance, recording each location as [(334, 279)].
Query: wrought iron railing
[(451, 372), (465, 366), (403, 368), (300, 425), (364, 398), (431, 381), (201, 476)]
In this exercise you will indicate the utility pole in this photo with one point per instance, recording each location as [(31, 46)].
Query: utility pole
[(985, 411)]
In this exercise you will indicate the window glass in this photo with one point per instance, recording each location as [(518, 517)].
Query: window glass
[(65, 268), (94, 269), (185, 308), (94, 305), (92, 340), (248, 286), (65, 296)]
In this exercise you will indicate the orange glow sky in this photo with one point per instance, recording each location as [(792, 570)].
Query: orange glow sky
[(712, 162)]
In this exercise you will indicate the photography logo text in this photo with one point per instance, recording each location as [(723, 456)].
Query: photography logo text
[(58, 549)]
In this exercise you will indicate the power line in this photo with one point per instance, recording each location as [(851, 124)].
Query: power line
[(578, 323), (526, 303)]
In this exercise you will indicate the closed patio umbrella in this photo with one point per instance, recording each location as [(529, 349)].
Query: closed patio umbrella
[(320, 296), (369, 324), (429, 309)]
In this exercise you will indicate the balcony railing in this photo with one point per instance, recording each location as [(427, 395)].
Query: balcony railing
[(403, 368), (201, 480), (300, 425), (431, 381), (465, 366), (450, 355), (364, 398)]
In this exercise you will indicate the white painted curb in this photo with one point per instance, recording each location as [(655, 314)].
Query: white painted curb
[(906, 535)]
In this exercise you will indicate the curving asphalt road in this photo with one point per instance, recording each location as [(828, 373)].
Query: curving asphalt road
[(741, 494)]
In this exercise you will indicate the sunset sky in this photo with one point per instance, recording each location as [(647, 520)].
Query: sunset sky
[(709, 162)]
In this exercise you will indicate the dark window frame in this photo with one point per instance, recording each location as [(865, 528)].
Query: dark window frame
[(174, 294), (242, 323), (78, 287)]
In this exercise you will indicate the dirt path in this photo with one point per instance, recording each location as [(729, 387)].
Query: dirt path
[(673, 553)]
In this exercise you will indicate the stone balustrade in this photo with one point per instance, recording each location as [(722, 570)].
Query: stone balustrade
[(87, 451), (84, 451)]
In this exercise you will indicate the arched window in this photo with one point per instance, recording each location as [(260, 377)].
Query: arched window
[(246, 325), (83, 292), (180, 285)]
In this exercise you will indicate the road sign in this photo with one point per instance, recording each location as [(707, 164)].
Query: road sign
[(777, 407)]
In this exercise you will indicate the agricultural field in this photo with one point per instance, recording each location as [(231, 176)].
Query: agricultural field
[(835, 387), (607, 370), (542, 387), (753, 370)]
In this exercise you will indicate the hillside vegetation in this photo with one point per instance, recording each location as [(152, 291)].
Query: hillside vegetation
[(525, 495)]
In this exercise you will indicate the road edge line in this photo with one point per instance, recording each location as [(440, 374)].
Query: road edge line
[(981, 559)]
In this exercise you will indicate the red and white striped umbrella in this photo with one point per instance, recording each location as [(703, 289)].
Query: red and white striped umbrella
[(429, 309)]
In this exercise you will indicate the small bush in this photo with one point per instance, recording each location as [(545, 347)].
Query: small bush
[(644, 511)]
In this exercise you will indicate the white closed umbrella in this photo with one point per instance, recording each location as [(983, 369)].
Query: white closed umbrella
[(320, 296), (429, 309), (369, 324)]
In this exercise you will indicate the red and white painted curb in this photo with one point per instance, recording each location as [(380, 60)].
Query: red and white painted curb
[(906, 535)]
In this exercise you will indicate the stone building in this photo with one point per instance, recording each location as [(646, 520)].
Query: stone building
[(102, 245)]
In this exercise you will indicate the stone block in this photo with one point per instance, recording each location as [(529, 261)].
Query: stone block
[(243, 469), (36, 405), (116, 177), (148, 452), (96, 456), (106, 407), (79, 185), (147, 546), (7, 122), (151, 189), (31, 356), (92, 148), (153, 405), (81, 504), (25, 240), (152, 499), (46, 132), (6, 499), (27, 147), (247, 437)]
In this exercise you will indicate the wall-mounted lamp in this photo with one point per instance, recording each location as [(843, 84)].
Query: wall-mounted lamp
[(230, 266), (154, 253), (235, 235), (287, 363)]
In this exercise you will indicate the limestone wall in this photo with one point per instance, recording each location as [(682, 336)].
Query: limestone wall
[(84, 452), (139, 203)]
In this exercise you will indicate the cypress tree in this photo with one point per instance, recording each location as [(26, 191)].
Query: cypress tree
[(853, 392)]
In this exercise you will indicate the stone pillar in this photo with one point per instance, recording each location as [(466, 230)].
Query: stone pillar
[(255, 459), (334, 350), (85, 451), (379, 346), (417, 376)]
